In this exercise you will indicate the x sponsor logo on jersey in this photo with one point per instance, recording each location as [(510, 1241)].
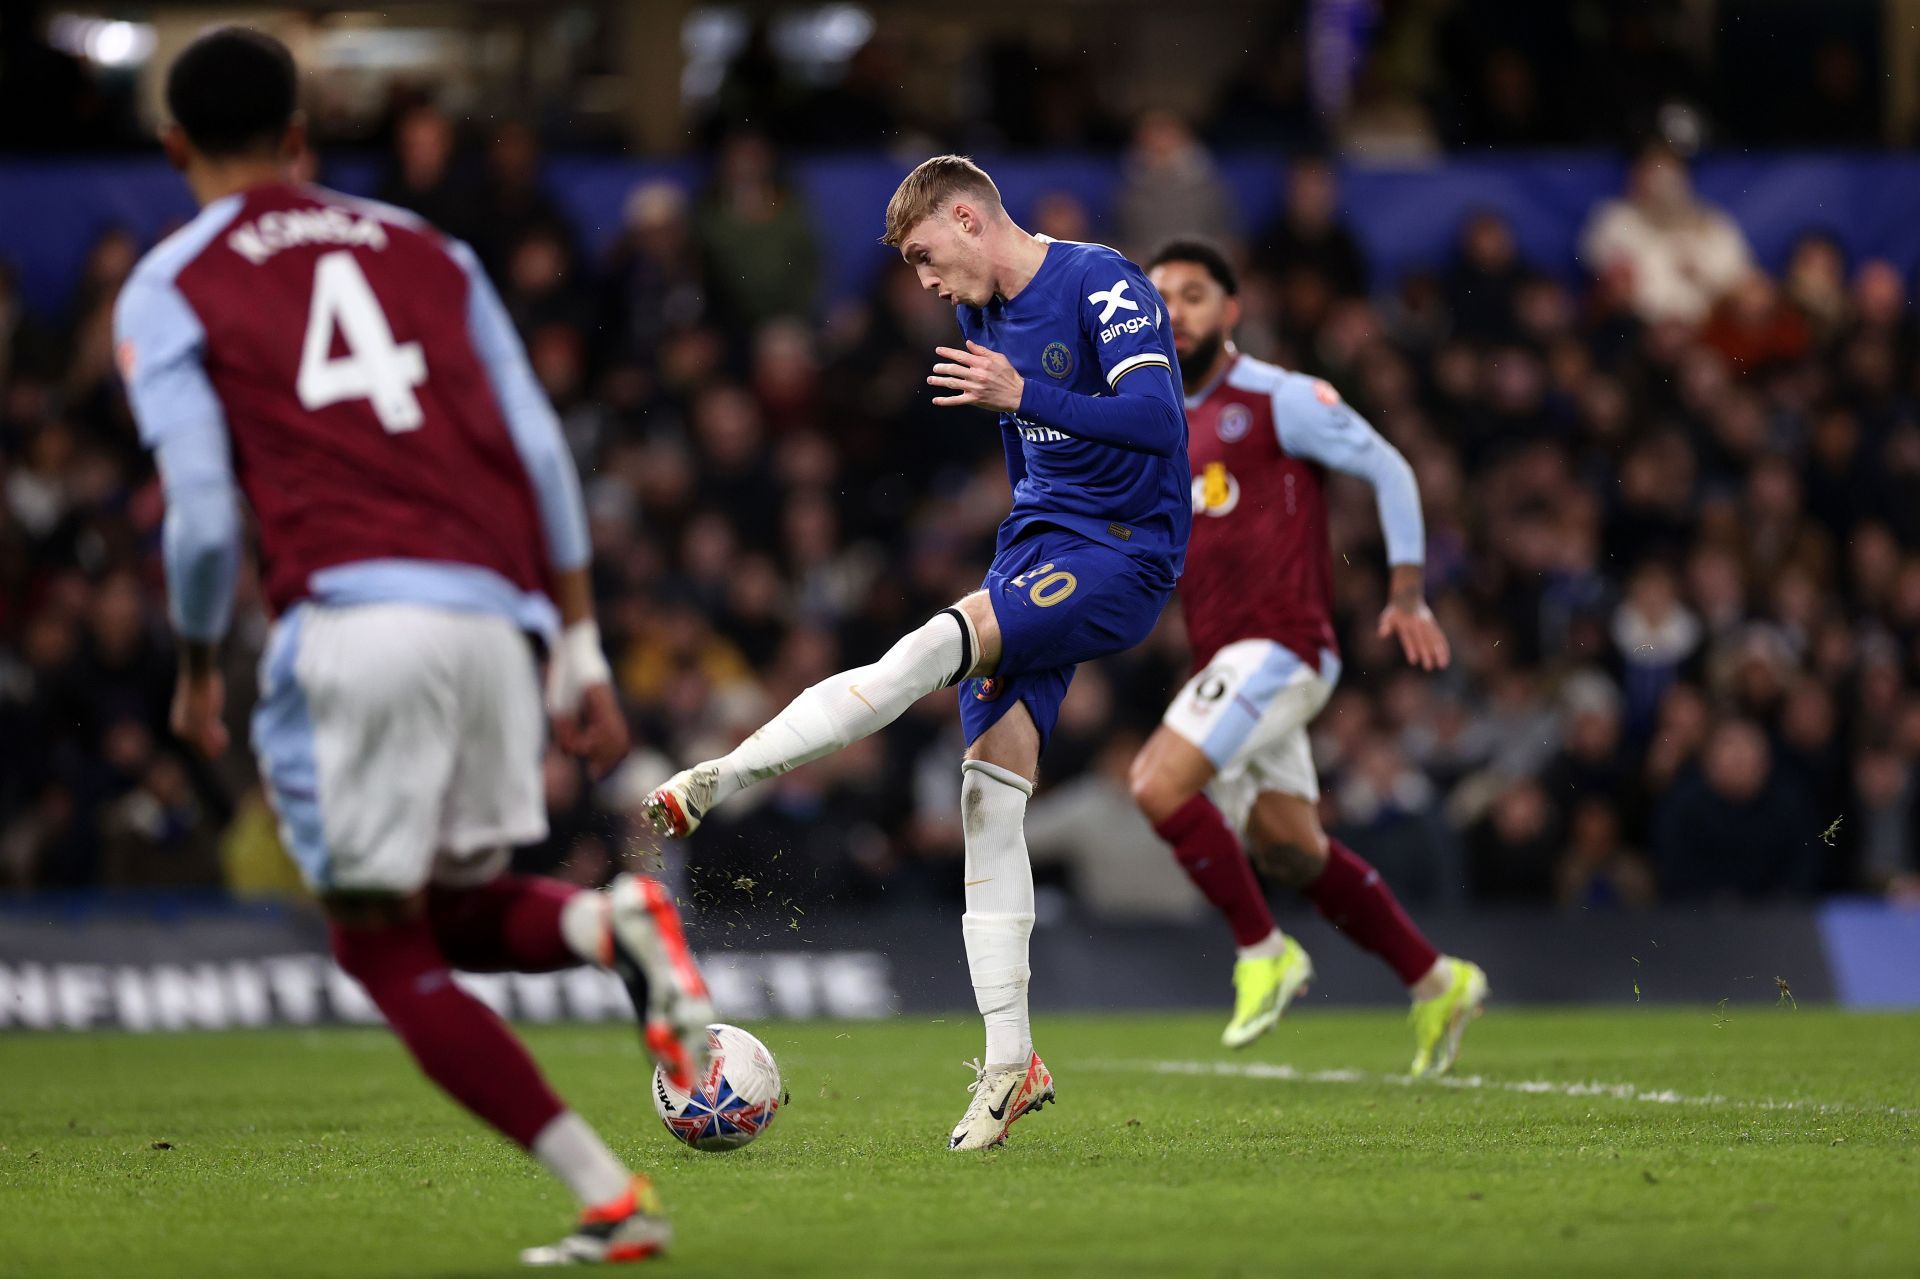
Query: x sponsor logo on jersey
[(1113, 299)]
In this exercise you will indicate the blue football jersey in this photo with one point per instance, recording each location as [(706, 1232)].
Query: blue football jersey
[(1087, 319)]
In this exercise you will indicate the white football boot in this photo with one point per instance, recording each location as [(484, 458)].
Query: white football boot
[(1001, 1096), (676, 808), (631, 1228), (634, 929)]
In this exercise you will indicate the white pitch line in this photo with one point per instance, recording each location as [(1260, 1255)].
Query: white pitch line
[(1534, 1087)]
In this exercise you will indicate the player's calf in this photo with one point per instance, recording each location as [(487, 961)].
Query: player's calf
[(827, 717), (457, 1041), (1288, 864), (509, 924), (1209, 853)]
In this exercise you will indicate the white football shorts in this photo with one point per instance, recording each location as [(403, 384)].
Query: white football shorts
[(400, 744), (1248, 712)]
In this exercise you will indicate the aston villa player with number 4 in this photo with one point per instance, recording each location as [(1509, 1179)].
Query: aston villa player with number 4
[(1258, 597), (1068, 344), (350, 371)]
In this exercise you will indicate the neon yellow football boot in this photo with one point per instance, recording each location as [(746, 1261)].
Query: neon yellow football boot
[(1262, 989), (1441, 1022)]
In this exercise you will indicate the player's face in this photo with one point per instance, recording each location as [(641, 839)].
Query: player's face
[(1201, 312), (945, 252)]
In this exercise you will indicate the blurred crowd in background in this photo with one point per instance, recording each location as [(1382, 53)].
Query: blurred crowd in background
[(1673, 527), (1370, 78)]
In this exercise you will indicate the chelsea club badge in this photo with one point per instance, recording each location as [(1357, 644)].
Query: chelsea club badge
[(1057, 360)]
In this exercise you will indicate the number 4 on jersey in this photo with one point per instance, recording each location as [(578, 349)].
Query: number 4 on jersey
[(374, 368)]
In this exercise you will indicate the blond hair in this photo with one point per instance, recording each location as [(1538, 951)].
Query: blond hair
[(926, 191)]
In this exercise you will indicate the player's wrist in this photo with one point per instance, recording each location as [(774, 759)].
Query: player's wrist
[(585, 660), (1407, 590), (198, 658), (1038, 400)]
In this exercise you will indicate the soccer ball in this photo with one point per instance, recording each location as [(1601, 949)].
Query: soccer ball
[(732, 1103)]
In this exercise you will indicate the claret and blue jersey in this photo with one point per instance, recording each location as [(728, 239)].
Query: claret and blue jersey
[(1097, 455)]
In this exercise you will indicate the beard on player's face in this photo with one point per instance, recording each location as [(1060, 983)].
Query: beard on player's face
[(1198, 353)]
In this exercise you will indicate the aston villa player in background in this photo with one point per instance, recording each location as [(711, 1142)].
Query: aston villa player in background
[(349, 371), (1230, 760)]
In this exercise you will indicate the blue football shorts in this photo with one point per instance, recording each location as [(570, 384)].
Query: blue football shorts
[(1060, 599)]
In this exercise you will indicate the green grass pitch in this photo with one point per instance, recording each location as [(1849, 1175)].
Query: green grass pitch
[(321, 1153)]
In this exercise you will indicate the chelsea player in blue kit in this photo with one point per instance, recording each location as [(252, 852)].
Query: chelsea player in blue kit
[(1069, 344)]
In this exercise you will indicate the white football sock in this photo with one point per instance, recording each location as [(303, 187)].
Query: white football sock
[(999, 918), (573, 1152), (1436, 982), (844, 708), (584, 924), (1272, 946)]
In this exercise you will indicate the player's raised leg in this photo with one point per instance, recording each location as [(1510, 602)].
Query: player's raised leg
[(996, 782), (1289, 845), (533, 924), (833, 714), (1169, 780)]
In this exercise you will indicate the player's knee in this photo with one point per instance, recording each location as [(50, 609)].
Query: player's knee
[(366, 911), (1157, 795), (362, 953), (983, 633), (1288, 862)]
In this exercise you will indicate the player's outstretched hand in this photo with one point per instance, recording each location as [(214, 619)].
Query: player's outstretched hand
[(199, 702), (596, 730), (977, 376), (1420, 636)]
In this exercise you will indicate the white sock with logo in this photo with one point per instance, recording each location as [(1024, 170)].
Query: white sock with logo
[(573, 1152), (999, 918), (844, 708)]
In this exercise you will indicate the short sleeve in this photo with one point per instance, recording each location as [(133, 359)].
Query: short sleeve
[(1121, 314)]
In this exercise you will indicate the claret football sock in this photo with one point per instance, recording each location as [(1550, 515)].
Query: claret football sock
[(511, 924), (846, 707), (1352, 897), (1206, 849), (999, 917), (458, 1041)]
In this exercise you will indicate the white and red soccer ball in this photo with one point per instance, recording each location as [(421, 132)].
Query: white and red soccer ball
[(732, 1103)]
